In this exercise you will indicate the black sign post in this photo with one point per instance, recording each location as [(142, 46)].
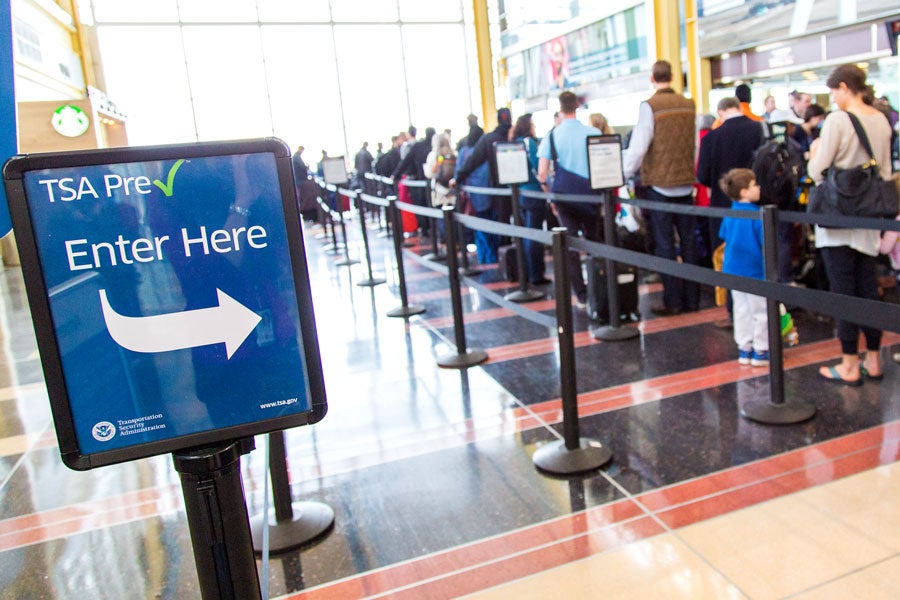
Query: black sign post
[(606, 171)]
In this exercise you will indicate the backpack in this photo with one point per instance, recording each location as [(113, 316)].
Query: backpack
[(777, 174), (445, 170)]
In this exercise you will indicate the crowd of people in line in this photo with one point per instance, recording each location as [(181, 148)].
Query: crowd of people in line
[(674, 155)]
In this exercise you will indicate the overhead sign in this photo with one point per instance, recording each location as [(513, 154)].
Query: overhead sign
[(170, 295), (605, 161), (512, 162)]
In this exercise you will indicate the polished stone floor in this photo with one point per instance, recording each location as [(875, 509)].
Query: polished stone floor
[(430, 475)]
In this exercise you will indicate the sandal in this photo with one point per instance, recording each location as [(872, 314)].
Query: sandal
[(865, 373), (836, 378)]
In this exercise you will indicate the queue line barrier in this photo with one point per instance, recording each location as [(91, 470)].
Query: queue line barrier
[(569, 457)]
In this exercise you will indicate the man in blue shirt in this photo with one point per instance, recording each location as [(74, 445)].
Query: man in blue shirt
[(566, 148)]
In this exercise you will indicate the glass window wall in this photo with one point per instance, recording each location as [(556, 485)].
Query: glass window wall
[(313, 73)]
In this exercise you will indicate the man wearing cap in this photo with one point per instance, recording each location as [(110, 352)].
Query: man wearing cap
[(565, 147), (662, 147)]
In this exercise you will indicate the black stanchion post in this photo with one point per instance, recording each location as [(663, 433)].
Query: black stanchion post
[(405, 309), (346, 261), (523, 294), (385, 225), (296, 523), (573, 454), (614, 332), (217, 518), (464, 268), (463, 357), (370, 281), (775, 410)]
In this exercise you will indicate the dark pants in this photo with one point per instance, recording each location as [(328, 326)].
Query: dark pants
[(578, 218), (852, 273), (534, 251), (677, 293)]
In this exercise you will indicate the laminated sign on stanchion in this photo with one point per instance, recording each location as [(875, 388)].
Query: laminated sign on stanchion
[(604, 153), (170, 296)]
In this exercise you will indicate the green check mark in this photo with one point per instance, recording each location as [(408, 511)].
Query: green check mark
[(170, 180)]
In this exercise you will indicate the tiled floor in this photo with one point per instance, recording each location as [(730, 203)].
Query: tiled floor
[(430, 475)]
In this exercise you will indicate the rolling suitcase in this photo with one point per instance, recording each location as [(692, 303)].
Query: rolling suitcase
[(506, 259), (597, 297)]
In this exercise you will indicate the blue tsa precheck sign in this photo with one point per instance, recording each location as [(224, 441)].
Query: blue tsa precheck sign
[(170, 295)]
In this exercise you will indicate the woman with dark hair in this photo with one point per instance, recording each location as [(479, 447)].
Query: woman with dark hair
[(849, 254), (534, 210)]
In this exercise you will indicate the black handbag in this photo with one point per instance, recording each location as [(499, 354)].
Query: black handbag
[(856, 192)]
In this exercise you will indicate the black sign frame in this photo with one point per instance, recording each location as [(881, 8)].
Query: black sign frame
[(38, 295)]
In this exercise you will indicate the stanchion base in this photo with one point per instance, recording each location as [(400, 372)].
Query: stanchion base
[(406, 311), (435, 257), (555, 458), (524, 296), (770, 413), (461, 361), (311, 520), (469, 272), (607, 333), (370, 282), (346, 262)]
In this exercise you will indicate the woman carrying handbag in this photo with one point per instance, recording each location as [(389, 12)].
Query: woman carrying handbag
[(849, 254)]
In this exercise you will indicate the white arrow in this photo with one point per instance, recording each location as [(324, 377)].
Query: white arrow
[(230, 323)]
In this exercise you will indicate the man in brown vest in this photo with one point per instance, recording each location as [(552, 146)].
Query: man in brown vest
[(662, 147)]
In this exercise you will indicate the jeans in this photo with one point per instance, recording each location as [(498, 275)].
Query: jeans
[(677, 293)]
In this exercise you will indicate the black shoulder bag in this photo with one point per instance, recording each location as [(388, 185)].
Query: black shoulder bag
[(856, 192)]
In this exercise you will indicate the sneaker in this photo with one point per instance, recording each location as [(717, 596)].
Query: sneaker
[(744, 357), (760, 359)]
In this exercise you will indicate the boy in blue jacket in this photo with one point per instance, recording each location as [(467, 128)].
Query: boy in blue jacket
[(744, 257)]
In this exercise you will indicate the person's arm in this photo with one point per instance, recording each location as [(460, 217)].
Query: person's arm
[(544, 161), (543, 172), (641, 137), (474, 161)]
